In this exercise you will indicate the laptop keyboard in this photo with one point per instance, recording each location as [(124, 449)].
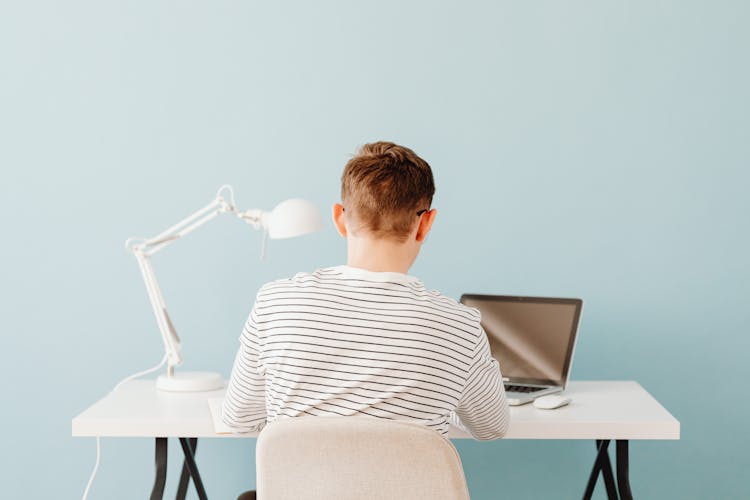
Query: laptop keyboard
[(522, 388)]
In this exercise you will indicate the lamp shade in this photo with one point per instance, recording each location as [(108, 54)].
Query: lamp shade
[(292, 218)]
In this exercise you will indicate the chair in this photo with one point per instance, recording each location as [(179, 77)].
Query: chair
[(353, 458)]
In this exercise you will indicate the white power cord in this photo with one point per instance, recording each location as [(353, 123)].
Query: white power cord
[(141, 373), (93, 472), (98, 442)]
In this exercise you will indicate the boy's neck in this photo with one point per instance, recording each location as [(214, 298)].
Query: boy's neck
[(380, 255)]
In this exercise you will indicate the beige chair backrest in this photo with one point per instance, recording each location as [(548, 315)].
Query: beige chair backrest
[(353, 458)]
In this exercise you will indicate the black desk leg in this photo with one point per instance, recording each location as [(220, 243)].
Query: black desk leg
[(603, 465), (623, 473), (185, 476), (609, 479), (157, 492), (193, 468)]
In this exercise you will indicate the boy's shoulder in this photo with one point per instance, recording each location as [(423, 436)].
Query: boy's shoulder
[(298, 279), (449, 304), (412, 288), (301, 279)]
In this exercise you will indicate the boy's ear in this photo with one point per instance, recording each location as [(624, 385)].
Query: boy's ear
[(339, 219), (425, 223)]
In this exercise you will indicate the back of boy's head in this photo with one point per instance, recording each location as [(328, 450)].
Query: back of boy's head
[(383, 187)]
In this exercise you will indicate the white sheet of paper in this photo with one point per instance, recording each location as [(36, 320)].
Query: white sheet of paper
[(214, 404)]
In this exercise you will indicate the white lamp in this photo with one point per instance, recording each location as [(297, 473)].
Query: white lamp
[(290, 218)]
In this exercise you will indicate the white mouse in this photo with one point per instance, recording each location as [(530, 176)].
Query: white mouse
[(551, 402)]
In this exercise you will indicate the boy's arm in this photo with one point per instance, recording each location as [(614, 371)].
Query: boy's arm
[(244, 408), (483, 409)]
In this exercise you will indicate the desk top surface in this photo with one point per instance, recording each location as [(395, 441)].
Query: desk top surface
[(599, 410)]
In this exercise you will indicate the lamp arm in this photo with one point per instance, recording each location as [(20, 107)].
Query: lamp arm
[(155, 245), (185, 226), (145, 248), (254, 217), (167, 330), (143, 251)]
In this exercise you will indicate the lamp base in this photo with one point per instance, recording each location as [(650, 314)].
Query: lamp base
[(190, 382)]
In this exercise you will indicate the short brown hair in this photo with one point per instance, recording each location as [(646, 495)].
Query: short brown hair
[(383, 186)]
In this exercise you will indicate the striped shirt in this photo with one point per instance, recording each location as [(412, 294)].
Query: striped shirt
[(346, 341)]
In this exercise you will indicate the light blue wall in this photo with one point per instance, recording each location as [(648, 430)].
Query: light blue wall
[(596, 149)]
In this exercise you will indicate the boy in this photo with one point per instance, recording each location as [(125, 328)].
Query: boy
[(366, 338)]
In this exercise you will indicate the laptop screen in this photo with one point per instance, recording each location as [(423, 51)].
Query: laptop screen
[(532, 338)]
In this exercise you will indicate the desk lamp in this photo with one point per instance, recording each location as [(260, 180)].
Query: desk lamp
[(290, 218)]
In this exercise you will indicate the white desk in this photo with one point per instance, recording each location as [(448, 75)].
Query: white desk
[(600, 411)]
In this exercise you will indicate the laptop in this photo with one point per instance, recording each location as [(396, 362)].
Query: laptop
[(532, 338)]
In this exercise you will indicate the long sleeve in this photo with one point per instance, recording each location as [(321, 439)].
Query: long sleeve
[(483, 409), (244, 408)]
